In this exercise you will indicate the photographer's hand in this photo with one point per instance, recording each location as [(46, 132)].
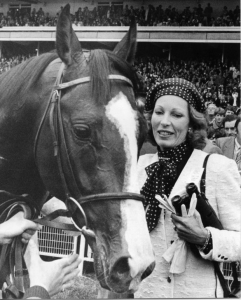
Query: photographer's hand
[(17, 225), (54, 276)]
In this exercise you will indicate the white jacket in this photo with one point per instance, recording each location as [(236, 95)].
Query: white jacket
[(224, 195)]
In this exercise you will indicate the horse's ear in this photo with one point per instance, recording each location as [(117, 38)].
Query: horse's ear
[(67, 42), (126, 48)]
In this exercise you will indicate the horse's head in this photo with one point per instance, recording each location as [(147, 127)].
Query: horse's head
[(103, 132)]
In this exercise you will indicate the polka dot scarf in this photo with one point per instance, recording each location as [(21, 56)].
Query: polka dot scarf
[(177, 87), (161, 177)]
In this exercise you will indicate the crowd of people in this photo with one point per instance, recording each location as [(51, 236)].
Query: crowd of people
[(218, 83), (116, 15), (8, 63)]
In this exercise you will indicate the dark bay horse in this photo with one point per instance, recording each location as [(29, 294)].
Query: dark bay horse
[(102, 132)]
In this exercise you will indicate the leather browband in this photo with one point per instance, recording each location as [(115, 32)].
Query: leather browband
[(77, 81)]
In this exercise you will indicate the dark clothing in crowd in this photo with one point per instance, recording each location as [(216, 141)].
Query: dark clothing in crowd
[(117, 15)]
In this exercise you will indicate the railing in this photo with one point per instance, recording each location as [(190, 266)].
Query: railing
[(115, 33), (57, 243), (228, 272)]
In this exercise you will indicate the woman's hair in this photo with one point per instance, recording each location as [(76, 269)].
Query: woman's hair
[(196, 137)]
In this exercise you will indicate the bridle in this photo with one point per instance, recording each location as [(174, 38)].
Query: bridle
[(15, 203), (22, 203), (61, 152)]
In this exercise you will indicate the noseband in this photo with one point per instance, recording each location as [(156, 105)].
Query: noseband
[(62, 155)]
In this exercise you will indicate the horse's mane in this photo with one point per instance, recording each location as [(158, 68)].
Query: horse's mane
[(24, 76), (20, 79), (104, 63)]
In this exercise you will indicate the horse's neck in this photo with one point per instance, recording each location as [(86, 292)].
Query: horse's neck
[(19, 121)]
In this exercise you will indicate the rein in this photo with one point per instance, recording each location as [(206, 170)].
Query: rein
[(11, 255), (64, 166)]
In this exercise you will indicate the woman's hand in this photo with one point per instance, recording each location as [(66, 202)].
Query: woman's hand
[(17, 225), (190, 228)]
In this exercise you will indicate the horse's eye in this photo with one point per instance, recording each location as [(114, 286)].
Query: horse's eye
[(82, 132)]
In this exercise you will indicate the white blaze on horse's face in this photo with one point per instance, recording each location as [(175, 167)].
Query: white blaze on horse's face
[(134, 230), (120, 112)]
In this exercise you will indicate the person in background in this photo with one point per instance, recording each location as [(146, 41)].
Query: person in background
[(178, 128), (210, 113), (218, 120), (238, 112), (49, 278), (230, 145), (208, 13), (211, 147), (229, 122), (221, 97), (216, 127), (236, 100), (230, 110), (212, 128), (238, 144)]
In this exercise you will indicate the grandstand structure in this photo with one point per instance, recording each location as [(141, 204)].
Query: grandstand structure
[(224, 42), (54, 6), (168, 38)]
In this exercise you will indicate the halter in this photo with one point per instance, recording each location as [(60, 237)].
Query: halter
[(61, 153)]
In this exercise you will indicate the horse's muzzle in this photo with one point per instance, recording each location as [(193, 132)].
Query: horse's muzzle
[(124, 255), (122, 277)]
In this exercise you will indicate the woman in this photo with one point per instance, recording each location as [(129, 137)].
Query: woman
[(178, 128), (46, 278)]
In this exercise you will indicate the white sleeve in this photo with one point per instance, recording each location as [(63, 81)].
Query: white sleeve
[(227, 242)]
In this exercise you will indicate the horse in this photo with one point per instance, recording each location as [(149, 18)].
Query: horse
[(82, 142)]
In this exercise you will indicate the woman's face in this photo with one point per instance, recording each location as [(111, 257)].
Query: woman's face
[(170, 121)]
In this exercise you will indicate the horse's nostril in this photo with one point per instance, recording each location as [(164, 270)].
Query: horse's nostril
[(148, 271), (121, 266), (120, 269)]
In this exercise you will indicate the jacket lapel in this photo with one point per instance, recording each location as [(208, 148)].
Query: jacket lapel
[(192, 172), (228, 148)]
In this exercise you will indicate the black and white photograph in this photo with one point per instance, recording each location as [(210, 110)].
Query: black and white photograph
[(120, 149)]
